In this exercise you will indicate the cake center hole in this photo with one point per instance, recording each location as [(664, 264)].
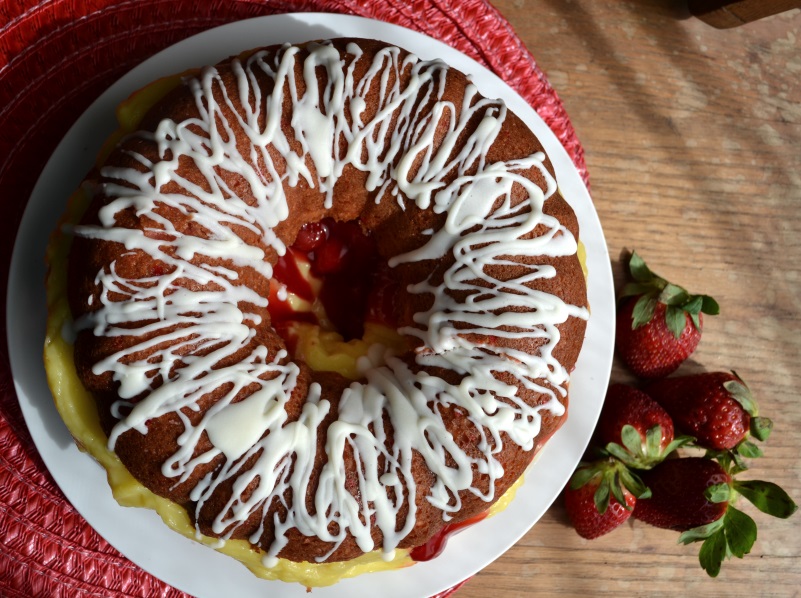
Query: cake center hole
[(331, 284)]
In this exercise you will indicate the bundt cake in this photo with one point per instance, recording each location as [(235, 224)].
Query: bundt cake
[(170, 278)]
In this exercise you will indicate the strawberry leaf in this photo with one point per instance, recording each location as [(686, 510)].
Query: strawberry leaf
[(620, 453), (709, 305), (643, 311), (617, 492), (634, 484), (767, 497), (741, 532), (693, 305), (761, 428), (636, 460), (601, 496), (737, 465), (674, 295), (653, 440), (582, 476), (730, 461), (718, 493), (740, 393), (702, 532), (749, 450), (677, 442), (676, 320), (631, 439), (712, 553), (638, 288), (639, 271)]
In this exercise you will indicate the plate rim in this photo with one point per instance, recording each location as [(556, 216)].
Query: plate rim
[(598, 341)]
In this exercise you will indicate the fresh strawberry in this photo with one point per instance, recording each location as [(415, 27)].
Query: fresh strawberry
[(650, 349), (695, 495), (677, 493), (635, 428), (600, 497), (658, 323), (715, 407)]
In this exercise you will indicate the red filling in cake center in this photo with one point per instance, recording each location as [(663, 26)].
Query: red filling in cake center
[(355, 285)]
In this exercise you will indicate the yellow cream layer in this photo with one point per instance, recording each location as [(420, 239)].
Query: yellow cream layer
[(322, 350)]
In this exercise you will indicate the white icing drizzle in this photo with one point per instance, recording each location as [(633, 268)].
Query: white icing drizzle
[(186, 334)]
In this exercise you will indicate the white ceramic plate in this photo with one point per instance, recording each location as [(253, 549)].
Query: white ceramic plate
[(139, 534)]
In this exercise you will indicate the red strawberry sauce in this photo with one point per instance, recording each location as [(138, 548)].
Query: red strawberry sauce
[(345, 259), (434, 547), (286, 272)]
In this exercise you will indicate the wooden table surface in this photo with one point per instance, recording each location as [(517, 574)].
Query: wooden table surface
[(693, 143)]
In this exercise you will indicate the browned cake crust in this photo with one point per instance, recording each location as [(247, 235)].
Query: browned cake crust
[(397, 230)]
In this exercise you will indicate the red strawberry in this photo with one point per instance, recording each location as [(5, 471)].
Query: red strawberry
[(600, 497), (677, 493), (716, 408), (635, 428), (650, 349), (311, 236), (658, 323), (694, 495)]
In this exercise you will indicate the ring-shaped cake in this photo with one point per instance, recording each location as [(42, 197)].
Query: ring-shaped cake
[(170, 274)]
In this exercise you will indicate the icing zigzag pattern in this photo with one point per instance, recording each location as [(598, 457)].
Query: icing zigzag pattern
[(186, 331)]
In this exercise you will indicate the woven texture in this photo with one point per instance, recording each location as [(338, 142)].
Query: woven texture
[(56, 57)]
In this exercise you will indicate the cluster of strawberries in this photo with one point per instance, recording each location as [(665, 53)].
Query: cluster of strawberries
[(634, 467)]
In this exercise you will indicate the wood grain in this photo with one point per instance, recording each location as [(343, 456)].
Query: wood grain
[(693, 142), (725, 14)]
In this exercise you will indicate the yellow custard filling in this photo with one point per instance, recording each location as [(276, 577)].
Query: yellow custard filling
[(321, 349)]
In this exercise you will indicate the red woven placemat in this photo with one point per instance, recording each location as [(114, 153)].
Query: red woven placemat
[(56, 57)]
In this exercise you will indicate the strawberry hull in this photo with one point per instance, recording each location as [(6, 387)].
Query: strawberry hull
[(627, 405), (586, 519)]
